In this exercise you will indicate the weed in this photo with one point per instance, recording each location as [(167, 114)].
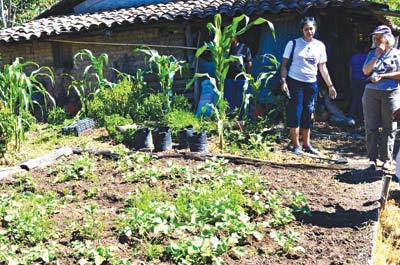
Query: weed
[(81, 168)]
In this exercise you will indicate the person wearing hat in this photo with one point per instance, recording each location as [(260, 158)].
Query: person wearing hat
[(381, 97), (300, 82)]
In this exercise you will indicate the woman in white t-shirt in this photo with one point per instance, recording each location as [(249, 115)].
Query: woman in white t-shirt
[(300, 81)]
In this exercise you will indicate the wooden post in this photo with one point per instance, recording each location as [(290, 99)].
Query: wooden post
[(385, 190)]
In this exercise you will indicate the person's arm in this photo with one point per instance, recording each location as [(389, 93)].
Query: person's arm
[(371, 60), (391, 75), (325, 75), (283, 73), (249, 65)]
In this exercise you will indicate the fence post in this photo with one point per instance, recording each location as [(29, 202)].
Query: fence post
[(385, 190)]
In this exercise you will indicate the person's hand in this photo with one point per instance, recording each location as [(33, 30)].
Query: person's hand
[(396, 115), (332, 92), (284, 86), (375, 78), (380, 49)]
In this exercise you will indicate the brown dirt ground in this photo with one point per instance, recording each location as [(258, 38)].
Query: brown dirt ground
[(343, 201)]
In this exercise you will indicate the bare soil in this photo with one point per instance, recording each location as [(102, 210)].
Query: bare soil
[(343, 200)]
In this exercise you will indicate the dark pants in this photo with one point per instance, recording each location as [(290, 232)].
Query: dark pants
[(357, 91), (233, 91), (300, 108)]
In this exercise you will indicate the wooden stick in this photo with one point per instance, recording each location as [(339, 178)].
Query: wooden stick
[(125, 44), (46, 160), (201, 157), (385, 190)]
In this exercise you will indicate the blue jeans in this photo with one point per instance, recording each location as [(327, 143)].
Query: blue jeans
[(378, 106), (300, 108), (233, 91)]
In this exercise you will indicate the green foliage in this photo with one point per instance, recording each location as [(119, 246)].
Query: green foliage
[(154, 107), (21, 11), (81, 168), (165, 67), (92, 225), (116, 120), (93, 79), (178, 119), (108, 101), (25, 218), (57, 116), (16, 93), (393, 4), (219, 49), (208, 215), (87, 253), (180, 102)]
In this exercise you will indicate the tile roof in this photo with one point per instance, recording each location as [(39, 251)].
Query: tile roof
[(184, 9)]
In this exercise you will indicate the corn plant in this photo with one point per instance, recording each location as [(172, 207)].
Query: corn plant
[(16, 96), (165, 67), (92, 82), (219, 49)]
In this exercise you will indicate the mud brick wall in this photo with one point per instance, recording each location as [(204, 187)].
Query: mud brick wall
[(122, 58)]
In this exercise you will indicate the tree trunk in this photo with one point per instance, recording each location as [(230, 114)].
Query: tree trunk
[(3, 19)]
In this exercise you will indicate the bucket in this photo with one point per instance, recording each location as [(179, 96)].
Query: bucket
[(183, 136), (198, 142), (142, 139), (162, 139)]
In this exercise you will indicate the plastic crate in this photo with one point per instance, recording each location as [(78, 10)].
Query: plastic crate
[(78, 127)]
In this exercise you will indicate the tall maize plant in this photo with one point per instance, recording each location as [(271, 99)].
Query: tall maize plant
[(16, 95), (219, 49)]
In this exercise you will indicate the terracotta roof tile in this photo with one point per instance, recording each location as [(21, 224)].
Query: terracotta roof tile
[(184, 9)]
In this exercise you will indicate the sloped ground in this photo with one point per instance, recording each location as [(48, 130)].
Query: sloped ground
[(343, 202)]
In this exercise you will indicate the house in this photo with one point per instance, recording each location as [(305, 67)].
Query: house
[(178, 27)]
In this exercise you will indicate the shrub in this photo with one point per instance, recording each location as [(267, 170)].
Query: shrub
[(111, 122), (153, 107), (178, 119), (180, 102), (57, 116), (111, 101)]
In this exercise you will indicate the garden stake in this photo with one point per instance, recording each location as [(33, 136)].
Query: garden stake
[(385, 190)]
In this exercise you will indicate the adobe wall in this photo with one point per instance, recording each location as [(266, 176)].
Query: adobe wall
[(122, 58)]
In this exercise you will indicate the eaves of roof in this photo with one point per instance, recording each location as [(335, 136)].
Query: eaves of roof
[(174, 10)]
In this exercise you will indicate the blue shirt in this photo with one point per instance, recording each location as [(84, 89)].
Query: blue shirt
[(356, 64), (387, 62)]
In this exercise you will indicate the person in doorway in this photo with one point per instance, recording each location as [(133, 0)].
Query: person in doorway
[(301, 83), (381, 97), (357, 81), (233, 89)]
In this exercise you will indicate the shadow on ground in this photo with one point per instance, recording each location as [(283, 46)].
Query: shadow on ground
[(341, 217), (360, 176)]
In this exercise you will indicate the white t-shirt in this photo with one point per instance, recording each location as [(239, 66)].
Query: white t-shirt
[(306, 57)]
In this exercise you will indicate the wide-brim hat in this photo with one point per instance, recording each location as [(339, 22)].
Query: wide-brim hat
[(382, 29)]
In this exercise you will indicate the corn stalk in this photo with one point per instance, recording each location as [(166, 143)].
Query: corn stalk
[(165, 67), (219, 48), (16, 91), (92, 81)]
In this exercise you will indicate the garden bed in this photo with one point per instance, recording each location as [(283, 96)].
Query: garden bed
[(89, 214)]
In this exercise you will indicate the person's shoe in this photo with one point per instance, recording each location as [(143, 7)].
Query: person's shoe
[(310, 149), (388, 166), (297, 150), (372, 166)]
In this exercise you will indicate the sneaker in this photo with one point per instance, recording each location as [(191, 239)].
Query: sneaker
[(388, 166), (297, 150), (310, 149)]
